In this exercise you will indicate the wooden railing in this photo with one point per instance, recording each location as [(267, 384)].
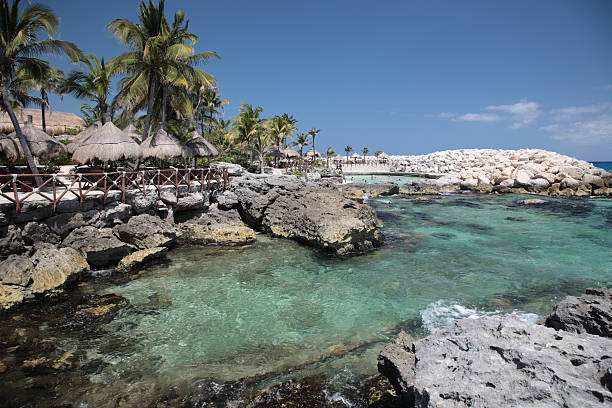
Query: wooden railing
[(18, 188)]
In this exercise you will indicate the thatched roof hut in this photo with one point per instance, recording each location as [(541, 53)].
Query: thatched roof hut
[(200, 146), (132, 132), (356, 156), (163, 146), (290, 152), (41, 144), (57, 122), (81, 137), (107, 143), (383, 156), (9, 148), (312, 152), (338, 158)]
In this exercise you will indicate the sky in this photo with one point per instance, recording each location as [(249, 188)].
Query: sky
[(405, 77)]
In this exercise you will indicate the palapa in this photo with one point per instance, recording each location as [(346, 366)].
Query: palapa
[(9, 148), (200, 146), (81, 137), (312, 152), (356, 156), (164, 146), (41, 144), (132, 132), (290, 152), (383, 156), (338, 158), (108, 143)]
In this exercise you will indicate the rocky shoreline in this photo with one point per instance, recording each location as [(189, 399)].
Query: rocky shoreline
[(505, 171), (43, 251), (507, 362)]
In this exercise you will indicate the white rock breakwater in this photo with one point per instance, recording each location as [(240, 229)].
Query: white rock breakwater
[(520, 171)]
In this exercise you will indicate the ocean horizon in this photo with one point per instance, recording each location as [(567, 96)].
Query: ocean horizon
[(606, 165)]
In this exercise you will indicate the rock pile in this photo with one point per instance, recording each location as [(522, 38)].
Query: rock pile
[(44, 251), (521, 171), (507, 362)]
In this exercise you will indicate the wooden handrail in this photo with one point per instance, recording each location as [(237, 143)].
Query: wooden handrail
[(12, 185)]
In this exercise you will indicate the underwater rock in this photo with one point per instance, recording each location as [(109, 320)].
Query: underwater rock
[(499, 362), (590, 313), (138, 259), (99, 309)]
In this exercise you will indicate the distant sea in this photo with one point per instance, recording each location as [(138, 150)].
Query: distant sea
[(606, 165)]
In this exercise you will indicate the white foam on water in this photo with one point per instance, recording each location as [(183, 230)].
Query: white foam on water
[(441, 314)]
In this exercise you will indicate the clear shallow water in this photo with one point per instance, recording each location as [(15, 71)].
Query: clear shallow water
[(378, 178), (280, 310)]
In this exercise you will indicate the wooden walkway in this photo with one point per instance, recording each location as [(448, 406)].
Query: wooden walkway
[(20, 188)]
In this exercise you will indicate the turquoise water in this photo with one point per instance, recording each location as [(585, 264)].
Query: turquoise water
[(376, 178), (278, 310), (606, 165)]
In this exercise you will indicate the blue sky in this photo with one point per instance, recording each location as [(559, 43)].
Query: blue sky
[(406, 77)]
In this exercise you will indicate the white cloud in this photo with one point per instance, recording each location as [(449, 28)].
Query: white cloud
[(523, 112), (478, 117), (577, 112), (592, 131)]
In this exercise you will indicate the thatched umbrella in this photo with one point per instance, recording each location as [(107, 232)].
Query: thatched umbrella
[(41, 144), (9, 148), (312, 152), (164, 146), (290, 152), (81, 137), (355, 156), (383, 156), (200, 146), (132, 132), (107, 143), (338, 158)]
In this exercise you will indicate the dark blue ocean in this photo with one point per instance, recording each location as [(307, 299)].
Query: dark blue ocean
[(606, 165)]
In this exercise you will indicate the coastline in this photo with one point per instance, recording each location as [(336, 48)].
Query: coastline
[(253, 203)]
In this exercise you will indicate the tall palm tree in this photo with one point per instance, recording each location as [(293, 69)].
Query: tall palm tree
[(348, 149), (93, 83), (209, 105), (365, 151), (313, 134), (301, 140), (261, 141), (20, 45), (248, 124), (161, 55), (330, 152), (49, 81), (290, 128)]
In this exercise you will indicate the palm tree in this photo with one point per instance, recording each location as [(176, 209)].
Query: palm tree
[(50, 81), (20, 45), (208, 105), (290, 123), (260, 143), (301, 140), (313, 134), (348, 149), (93, 83), (161, 55), (377, 153), (330, 152), (248, 124), (365, 151)]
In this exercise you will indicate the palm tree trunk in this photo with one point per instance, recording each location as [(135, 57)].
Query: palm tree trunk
[(164, 101), (22, 140), (261, 163), (147, 125), (43, 94)]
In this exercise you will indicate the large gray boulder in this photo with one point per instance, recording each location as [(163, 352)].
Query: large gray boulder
[(324, 217), (47, 272), (145, 231), (216, 227), (590, 313), (11, 241), (500, 362), (99, 245)]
